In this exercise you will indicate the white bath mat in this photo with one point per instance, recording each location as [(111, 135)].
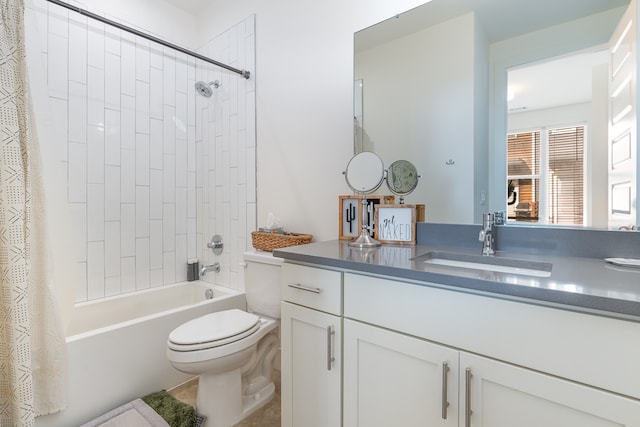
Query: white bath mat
[(133, 414)]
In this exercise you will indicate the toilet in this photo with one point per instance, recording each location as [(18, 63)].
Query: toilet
[(233, 351)]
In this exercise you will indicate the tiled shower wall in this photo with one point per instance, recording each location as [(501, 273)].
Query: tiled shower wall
[(133, 141), (226, 154)]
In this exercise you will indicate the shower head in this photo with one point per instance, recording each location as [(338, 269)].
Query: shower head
[(204, 89)]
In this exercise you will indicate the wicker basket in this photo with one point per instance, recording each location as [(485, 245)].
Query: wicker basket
[(269, 242)]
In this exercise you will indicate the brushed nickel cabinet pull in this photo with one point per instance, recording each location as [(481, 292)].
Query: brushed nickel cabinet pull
[(330, 358), (467, 403), (304, 288), (445, 402)]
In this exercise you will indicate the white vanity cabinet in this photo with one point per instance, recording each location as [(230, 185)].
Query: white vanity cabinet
[(391, 379), (311, 328), (496, 394), (398, 336)]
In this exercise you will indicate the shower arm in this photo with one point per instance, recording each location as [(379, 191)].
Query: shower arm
[(244, 73)]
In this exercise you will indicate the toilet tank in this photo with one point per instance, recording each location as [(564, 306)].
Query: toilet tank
[(262, 283)]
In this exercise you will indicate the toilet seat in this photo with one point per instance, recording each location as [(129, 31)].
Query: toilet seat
[(213, 330)]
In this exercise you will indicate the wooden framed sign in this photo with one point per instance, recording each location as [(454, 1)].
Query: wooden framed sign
[(396, 224), (350, 214)]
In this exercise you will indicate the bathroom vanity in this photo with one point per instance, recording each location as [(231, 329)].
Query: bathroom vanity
[(379, 337)]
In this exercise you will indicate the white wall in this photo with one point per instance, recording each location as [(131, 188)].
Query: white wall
[(304, 91)]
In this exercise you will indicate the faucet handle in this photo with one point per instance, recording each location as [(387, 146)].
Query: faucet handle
[(482, 235)]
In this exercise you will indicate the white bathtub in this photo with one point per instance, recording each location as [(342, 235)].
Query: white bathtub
[(116, 346)]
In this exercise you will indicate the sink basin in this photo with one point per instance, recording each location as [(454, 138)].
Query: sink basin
[(487, 263)]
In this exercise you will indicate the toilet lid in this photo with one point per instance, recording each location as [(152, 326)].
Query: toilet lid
[(213, 330)]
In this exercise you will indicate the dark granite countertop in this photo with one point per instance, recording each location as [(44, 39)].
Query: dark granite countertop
[(576, 282)]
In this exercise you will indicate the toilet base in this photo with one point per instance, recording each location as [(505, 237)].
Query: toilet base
[(258, 400), (216, 401)]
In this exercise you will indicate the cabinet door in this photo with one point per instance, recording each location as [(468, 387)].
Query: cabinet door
[(311, 367), (391, 379), (501, 395)]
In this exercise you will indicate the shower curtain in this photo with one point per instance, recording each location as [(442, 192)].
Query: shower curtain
[(32, 345)]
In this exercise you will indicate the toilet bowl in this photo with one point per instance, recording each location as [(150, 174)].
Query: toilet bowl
[(233, 351)]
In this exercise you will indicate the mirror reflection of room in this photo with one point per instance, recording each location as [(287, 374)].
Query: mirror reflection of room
[(451, 117)]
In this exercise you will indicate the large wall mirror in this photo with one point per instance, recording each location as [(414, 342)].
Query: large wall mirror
[(491, 100)]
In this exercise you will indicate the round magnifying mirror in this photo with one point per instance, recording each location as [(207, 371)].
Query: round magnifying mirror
[(365, 172), (364, 175), (402, 178)]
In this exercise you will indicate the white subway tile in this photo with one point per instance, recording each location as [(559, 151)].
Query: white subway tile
[(156, 278), (60, 127), (181, 73), (77, 184), (58, 22), (156, 56), (127, 229), (78, 212), (95, 154), (78, 51), (155, 143), (169, 179), (155, 95), (251, 121), (142, 263), (191, 195), (112, 81), (81, 285), (155, 194), (112, 137), (112, 194), (112, 40), (169, 131), (251, 176), (112, 249), (57, 67), (181, 258), (128, 274), (181, 116), (95, 96), (128, 176), (95, 212), (128, 122), (169, 267), (142, 211), (128, 68), (142, 60), (142, 107), (95, 270), (112, 285), (181, 163), (95, 44), (142, 159), (169, 74), (77, 112), (192, 238), (181, 210), (169, 227), (155, 244)]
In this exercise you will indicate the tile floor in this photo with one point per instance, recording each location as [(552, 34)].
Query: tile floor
[(267, 416)]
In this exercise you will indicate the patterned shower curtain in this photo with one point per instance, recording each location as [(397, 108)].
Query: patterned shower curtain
[(32, 346)]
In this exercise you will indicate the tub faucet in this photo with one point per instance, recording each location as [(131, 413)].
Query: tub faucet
[(486, 234), (213, 267)]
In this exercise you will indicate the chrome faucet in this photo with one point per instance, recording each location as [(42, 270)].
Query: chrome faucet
[(213, 267), (486, 234)]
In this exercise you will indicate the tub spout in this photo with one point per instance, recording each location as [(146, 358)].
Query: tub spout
[(213, 267)]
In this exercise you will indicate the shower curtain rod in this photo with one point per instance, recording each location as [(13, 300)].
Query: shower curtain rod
[(244, 73)]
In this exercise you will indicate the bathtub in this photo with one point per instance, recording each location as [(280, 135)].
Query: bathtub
[(116, 346)]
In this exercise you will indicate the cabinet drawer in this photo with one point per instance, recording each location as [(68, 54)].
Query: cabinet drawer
[(316, 288)]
